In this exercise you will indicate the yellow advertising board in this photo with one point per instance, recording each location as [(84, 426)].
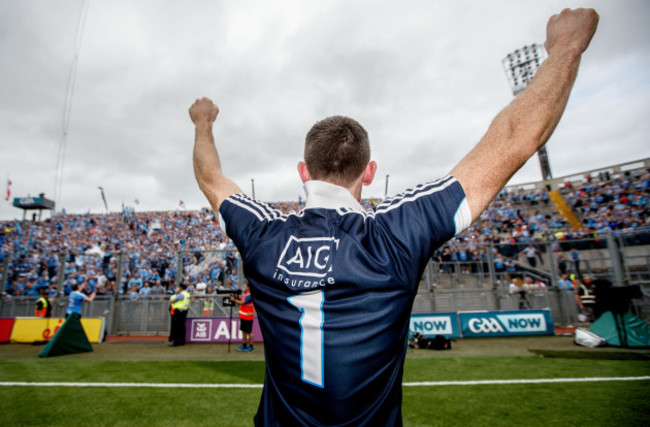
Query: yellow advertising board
[(38, 329)]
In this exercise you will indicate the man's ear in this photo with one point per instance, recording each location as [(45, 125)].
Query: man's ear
[(369, 173), (304, 172)]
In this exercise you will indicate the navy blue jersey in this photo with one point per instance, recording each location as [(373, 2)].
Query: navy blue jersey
[(333, 287)]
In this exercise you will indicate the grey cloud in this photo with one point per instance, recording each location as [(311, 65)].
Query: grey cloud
[(423, 77)]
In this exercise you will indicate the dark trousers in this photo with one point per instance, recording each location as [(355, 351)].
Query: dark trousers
[(177, 334)]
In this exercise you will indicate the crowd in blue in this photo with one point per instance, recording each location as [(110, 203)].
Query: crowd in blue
[(89, 247), (516, 218)]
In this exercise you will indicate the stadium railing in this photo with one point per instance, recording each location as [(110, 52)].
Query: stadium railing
[(484, 284), (622, 258)]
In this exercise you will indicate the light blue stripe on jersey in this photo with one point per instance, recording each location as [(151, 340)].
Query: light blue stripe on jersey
[(462, 217)]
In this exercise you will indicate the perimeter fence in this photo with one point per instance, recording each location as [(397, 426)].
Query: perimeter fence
[(486, 283), (623, 259)]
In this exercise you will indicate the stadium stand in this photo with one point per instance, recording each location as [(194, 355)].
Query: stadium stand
[(143, 255)]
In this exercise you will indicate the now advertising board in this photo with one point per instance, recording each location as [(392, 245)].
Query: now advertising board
[(450, 325), (430, 325), (217, 329), (506, 323)]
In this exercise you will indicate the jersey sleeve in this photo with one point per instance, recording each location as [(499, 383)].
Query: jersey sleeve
[(420, 220), (246, 220)]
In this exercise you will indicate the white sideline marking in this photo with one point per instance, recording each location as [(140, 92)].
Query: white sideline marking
[(530, 381), (148, 385), (407, 384)]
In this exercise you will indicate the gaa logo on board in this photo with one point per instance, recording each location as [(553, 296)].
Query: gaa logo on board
[(484, 325)]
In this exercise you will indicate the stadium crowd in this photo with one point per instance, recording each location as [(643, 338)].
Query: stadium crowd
[(87, 246), (517, 218)]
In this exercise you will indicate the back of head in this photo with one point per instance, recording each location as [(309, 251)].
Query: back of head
[(337, 150)]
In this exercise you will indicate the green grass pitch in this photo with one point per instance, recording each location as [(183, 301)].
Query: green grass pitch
[(601, 403)]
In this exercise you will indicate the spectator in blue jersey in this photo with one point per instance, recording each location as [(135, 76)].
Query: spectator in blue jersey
[(575, 259), (334, 284), (145, 290), (499, 264), (76, 299), (135, 281), (564, 283)]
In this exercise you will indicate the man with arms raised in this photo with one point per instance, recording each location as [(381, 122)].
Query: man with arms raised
[(333, 285)]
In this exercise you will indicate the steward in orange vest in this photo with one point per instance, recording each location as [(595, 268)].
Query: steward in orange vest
[(246, 316)]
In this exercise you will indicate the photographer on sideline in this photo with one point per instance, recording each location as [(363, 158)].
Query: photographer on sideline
[(246, 316)]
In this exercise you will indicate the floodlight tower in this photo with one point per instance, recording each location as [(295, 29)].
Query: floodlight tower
[(520, 67)]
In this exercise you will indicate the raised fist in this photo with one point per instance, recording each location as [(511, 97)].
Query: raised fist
[(203, 111)]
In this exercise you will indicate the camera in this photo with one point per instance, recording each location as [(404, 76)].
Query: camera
[(229, 293)]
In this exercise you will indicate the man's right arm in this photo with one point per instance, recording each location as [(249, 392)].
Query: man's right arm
[(91, 297), (528, 121), (207, 165)]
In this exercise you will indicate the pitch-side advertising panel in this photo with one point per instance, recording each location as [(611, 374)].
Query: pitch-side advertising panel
[(430, 325), (506, 323), (210, 329), (6, 325), (38, 329)]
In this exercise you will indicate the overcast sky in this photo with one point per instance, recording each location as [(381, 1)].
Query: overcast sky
[(423, 77)]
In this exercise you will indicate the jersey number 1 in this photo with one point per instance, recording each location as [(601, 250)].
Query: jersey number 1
[(311, 335)]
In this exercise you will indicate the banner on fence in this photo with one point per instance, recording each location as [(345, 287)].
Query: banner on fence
[(430, 325), (222, 329), (39, 329), (506, 323), (6, 325)]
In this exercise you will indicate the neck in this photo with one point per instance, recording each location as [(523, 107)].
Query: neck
[(355, 188)]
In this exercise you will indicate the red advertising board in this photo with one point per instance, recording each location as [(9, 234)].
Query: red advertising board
[(6, 325)]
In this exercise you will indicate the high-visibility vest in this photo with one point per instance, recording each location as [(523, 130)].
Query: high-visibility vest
[(588, 296), (208, 307), (42, 312), (182, 303), (247, 311), (208, 304)]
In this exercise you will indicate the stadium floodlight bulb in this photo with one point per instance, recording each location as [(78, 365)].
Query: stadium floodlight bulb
[(522, 64)]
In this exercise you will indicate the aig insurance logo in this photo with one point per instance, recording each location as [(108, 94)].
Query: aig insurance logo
[(309, 257)]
